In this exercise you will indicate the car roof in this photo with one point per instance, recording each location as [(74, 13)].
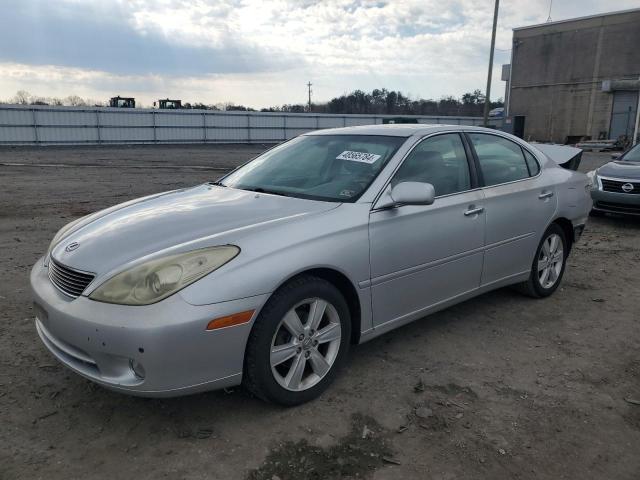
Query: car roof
[(396, 130)]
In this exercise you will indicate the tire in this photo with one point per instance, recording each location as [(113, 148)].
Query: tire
[(539, 286), (289, 369)]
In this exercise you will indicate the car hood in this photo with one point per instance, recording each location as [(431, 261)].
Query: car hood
[(621, 169), (181, 220)]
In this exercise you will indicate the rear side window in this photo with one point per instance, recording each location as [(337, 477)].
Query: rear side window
[(532, 163), (501, 160)]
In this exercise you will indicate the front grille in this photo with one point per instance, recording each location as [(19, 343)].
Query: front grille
[(619, 207), (616, 186), (69, 281)]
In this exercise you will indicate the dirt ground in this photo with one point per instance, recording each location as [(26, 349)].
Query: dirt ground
[(501, 386)]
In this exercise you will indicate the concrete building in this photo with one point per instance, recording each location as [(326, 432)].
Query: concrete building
[(576, 79)]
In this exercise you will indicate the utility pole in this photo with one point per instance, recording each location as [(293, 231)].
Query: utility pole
[(309, 87), (634, 140), (487, 98)]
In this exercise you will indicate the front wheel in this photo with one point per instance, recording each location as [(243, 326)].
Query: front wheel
[(548, 265), (298, 342)]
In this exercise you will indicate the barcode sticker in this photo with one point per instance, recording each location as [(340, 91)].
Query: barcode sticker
[(363, 157)]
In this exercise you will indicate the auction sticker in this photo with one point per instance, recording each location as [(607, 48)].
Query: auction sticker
[(363, 157)]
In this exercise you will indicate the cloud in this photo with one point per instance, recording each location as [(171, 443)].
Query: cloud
[(109, 36), (262, 52)]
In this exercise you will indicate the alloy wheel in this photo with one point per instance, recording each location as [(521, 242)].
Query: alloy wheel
[(305, 344), (550, 261)]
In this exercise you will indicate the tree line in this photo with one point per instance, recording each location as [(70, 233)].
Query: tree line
[(378, 101), (390, 102)]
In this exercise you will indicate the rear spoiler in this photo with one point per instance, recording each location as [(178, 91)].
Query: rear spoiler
[(565, 156)]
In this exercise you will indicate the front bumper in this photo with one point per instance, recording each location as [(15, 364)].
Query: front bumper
[(167, 341), (612, 202)]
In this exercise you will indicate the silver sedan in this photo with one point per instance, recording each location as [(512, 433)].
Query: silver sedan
[(266, 277)]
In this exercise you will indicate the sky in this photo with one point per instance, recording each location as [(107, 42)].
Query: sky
[(261, 53)]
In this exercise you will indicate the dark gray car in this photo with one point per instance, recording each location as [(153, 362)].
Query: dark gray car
[(616, 185)]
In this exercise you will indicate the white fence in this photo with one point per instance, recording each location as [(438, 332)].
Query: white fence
[(45, 125)]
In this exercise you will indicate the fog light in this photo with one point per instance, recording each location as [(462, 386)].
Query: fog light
[(136, 368)]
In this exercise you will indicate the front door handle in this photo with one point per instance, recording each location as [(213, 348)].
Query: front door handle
[(473, 211), (544, 195)]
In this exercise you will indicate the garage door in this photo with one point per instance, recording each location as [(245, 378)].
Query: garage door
[(623, 115)]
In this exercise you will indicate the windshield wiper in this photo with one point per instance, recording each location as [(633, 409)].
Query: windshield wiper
[(264, 190), (217, 184)]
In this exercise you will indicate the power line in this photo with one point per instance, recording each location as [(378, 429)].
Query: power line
[(550, 5)]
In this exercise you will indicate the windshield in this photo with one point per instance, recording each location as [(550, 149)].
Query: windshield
[(336, 168), (632, 155)]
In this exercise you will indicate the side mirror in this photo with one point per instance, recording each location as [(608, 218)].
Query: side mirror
[(408, 193), (615, 156)]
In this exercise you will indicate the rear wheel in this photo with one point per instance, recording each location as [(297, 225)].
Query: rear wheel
[(298, 343), (548, 265)]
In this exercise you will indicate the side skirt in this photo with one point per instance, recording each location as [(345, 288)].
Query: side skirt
[(410, 317)]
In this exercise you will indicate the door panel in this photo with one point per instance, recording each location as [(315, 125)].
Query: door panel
[(422, 255), (519, 204), (516, 219)]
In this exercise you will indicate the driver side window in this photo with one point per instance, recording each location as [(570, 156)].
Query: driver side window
[(440, 161)]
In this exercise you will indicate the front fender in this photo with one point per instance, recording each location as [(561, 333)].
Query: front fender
[(337, 239)]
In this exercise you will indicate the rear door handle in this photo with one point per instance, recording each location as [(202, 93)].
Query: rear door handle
[(544, 195), (473, 211)]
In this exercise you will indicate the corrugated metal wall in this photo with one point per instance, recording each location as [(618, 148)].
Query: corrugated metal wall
[(46, 125)]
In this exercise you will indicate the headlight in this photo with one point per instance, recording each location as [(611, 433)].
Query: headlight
[(157, 279), (60, 235), (593, 179)]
